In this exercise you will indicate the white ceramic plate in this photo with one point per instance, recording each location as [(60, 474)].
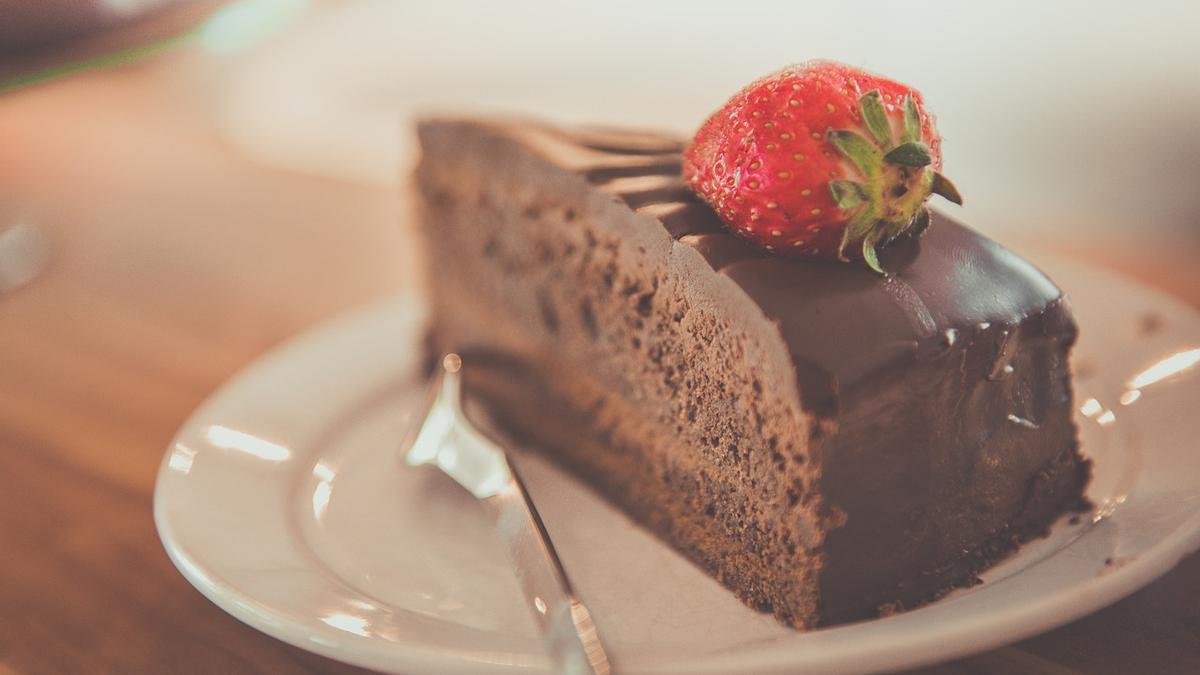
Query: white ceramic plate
[(284, 501)]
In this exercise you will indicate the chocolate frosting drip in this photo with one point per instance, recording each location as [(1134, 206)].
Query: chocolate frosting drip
[(945, 385)]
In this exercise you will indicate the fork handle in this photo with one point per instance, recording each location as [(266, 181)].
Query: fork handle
[(564, 621)]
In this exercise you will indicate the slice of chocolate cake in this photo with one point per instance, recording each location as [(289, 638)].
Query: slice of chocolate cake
[(829, 443)]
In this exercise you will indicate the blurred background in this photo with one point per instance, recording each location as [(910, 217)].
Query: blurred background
[(1069, 125), (184, 184)]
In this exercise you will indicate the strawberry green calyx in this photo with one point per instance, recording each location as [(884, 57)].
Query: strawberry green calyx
[(897, 177)]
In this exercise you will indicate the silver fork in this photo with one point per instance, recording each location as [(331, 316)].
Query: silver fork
[(447, 439)]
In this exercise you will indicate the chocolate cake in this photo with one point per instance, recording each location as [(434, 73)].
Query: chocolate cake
[(829, 443)]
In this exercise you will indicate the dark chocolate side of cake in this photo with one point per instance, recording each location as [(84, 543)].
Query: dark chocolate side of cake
[(948, 388), (938, 400)]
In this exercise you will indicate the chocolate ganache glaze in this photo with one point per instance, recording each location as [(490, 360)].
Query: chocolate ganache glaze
[(911, 449)]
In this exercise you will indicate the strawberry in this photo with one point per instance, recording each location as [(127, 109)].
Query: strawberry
[(820, 160)]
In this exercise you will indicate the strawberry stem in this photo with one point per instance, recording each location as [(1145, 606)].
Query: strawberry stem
[(896, 180), (942, 186)]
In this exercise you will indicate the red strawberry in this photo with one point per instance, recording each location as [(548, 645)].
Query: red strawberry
[(820, 160)]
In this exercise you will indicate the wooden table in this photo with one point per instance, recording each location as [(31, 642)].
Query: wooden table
[(175, 263)]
